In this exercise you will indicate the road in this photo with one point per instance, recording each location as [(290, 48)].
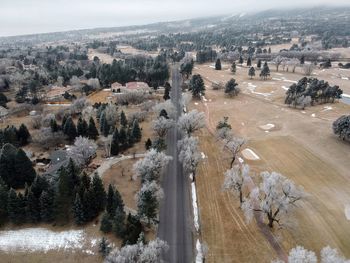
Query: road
[(175, 217)]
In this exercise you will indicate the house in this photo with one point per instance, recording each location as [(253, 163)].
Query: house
[(136, 86), (115, 86), (57, 159)]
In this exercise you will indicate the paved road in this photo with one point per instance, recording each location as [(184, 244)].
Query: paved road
[(176, 224)]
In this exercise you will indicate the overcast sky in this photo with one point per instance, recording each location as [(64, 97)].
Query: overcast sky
[(37, 16)]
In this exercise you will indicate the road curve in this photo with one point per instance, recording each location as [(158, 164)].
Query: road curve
[(175, 217)]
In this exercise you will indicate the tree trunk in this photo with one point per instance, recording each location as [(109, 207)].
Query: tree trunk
[(240, 197), (233, 160)]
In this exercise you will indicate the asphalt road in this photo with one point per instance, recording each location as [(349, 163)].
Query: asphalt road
[(175, 217)]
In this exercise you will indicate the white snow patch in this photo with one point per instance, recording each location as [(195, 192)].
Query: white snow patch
[(195, 206), (196, 103), (204, 99), (284, 87), (41, 239), (58, 105), (252, 87), (267, 131), (199, 256), (276, 79), (326, 108), (313, 115), (347, 212), (106, 89), (89, 252), (291, 81), (211, 66), (240, 160), (203, 155), (346, 95), (243, 124), (250, 154), (303, 112), (225, 102), (279, 74)]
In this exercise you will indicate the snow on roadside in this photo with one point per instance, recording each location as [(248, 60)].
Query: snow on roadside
[(42, 240), (195, 206), (203, 155), (284, 87), (199, 256)]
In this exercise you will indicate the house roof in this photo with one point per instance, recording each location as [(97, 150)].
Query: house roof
[(58, 156), (137, 85)]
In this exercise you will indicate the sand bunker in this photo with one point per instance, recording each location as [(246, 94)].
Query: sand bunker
[(250, 155), (347, 212), (267, 127)]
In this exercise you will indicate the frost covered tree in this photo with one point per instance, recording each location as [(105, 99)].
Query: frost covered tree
[(161, 126), (189, 155), (111, 114), (191, 122), (233, 145), (150, 253), (78, 105), (308, 69), (331, 255), (235, 179), (150, 167), (274, 197), (168, 106), (82, 150), (278, 61), (148, 199), (341, 127)]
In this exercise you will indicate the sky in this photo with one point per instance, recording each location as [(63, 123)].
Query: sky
[(18, 17)]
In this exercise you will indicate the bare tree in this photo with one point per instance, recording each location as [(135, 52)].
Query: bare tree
[(275, 197), (78, 105), (191, 122), (111, 114), (82, 150), (47, 139), (150, 167), (308, 69), (293, 63), (189, 155), (278, 61), (161, 126), (233, 145), (235, 179)]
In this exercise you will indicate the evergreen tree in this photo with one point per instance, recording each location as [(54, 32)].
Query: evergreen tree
[(233, 67), (148, 144), (23, 135), (23, 170), (218, 64), (269, 51), (89, 203), (119, 222), (114, 201), (164, 114), (249, 62), (7, 163), (251, 72), (259, 64), (123, 120), (302, 60), (167, 89), (99, 193), (265, 72), (241, 60), (47, 205), (197, 86), (115, 143), (70, 129), (92, 130), (64, 119), (132, 231), (123, 138), (4, 192), (104, 247), (231, 88), (106, 225), (104, 126), (53, 125), (33, 208), (3, 100), (82, 128), (78, 211), (16, 205), (136, 131)]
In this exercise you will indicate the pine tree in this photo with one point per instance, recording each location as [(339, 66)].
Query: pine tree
[(114, 201), (302, 60), (78, 211), (136, 131), (123, 120), (92, 130), (249, 62), (70, 129), (197, 86), (82, 128), (64, 119), (47, 205), (115, 143), (104, 126), (106, 225), (265, 72), (7, 163), (88, 204), (16, 205), (131, 139), (164, 114), (23, 135), (23, 170), (33, 208), (104, 247), (167, 89), (241, 60), (251, 72), (132, 231), (231, 87), (218, 64), (4, 192), (259, 64), (233, 67), (119, 222), (54, 126), (148, 144), (99, 193), (123, 139)]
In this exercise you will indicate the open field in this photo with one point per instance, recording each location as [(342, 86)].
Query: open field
[(300, 145)]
